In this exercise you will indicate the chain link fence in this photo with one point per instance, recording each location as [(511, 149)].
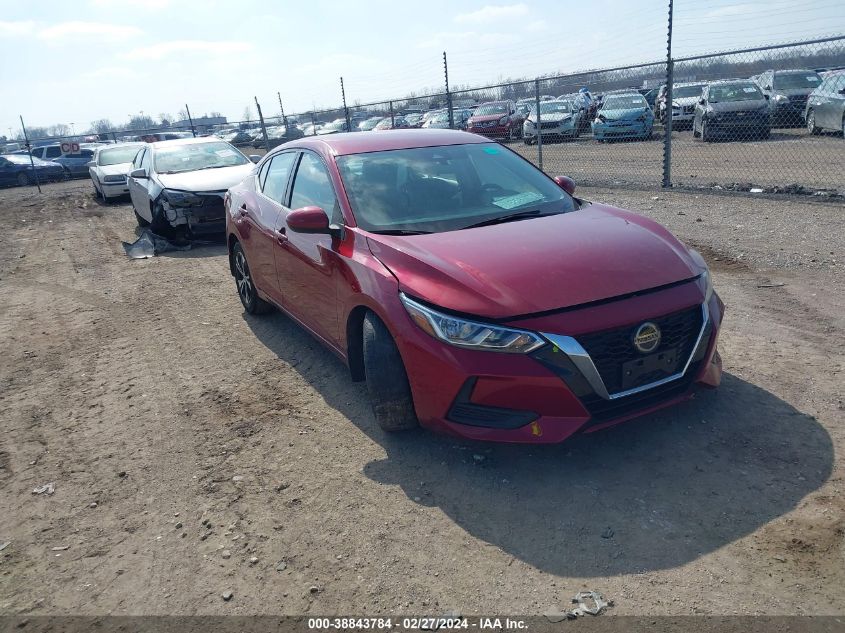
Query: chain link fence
[(762, 119)]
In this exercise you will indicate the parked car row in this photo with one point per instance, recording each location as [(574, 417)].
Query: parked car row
[(748, 108)]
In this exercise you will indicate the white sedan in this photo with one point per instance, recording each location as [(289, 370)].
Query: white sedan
[(110, 167)]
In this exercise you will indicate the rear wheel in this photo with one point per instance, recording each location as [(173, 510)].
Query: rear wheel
[(811, 124), (387, 381), (23, 179), (247, 292)]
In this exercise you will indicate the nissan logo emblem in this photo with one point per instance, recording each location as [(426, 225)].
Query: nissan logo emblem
[(647, 337)]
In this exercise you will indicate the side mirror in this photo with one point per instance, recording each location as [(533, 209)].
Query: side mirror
[(255, 157), (90, 163), (767, 88), (308, 220), (139, 173), (701, 101), (565, 183)]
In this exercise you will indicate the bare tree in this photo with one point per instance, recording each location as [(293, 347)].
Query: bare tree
[(182, 115), (165, 119), (247, 115), (101, 126), (139, 122)]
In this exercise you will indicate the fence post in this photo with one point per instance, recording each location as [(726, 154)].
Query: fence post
[(539, 127), (448, 94), (282, 108), (191, 121), (345, 109), (392, 119), (29, 151), (263, 129), (313, 124), (667, 125)]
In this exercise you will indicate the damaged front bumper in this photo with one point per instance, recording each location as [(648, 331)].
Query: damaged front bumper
[(198, 212)]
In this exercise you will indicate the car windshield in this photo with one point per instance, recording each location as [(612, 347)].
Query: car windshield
[(172, 159), (117, 155), (492, 108), (369, 124), (734, 92), (624, 102), (548, 107), (335, 125), (684, 92), (793, 81), (435, 189)]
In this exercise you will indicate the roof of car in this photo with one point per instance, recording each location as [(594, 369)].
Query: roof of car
[(729, 81), (185, 141), (361, 142)]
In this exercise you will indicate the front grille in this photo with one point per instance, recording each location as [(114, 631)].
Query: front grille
[(798, 99), (613, 348), (689, 109), (548, 124)]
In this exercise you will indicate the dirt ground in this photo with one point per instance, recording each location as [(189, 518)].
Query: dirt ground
[(196, 450)]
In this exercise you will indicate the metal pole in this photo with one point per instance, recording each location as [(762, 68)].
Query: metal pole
[(191, 120), (539, 127), (345, 109), (282, 108), (313, 124), (667, 126), (29, 151), (263, 129), (392, 117), (448, 94)]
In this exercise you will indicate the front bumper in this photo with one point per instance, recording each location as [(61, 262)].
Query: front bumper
[(209, 218), (738, 125), (622, 129), (550, 129), (543, 397), (490, 131), (114, 189)]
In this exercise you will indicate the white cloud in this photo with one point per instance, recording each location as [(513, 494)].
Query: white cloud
[(12, 29), (100, 31), (130, 4), (468, 39), (492, 13), (736, 9), (181, 47)]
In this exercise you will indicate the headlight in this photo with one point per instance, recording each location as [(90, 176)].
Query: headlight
[(503, 121), (642, 117), (182, 198), (470, 334), (600, 119), (529, 123), (781, 98), (115, 178), (708, 285)]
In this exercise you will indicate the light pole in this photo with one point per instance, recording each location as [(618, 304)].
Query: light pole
[(72, 130)]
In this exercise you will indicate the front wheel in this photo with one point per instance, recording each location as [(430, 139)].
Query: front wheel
[(811, 124), (23, 179), (247, 291), (387, 381)]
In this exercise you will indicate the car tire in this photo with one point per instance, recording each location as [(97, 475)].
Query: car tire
[(695, 133), (811, 124), (387, 381), (247, 292), (526, 140), (23, 179)]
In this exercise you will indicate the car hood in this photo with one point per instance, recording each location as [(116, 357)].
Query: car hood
[(485, 117), (745, 105), (121, 169), (622, 114), (794, 92), (528, 266), (206, 179), (552, 117), (686, 101)]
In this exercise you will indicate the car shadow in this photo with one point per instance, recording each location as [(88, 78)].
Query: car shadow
[(200, 246), (653, 493)]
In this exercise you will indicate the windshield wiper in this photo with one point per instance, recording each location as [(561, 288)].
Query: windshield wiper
[(400, 232), (504, 218)]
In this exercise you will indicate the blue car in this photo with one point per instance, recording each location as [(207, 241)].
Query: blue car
[(623, 116), (16, 169), (76, 165)]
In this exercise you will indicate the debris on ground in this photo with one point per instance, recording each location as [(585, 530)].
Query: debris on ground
[(584, 608), (607, 532), (281, 566), (48, 489), (770, 285), (60, 548), (4, 545), (150, 244), (227, 595)]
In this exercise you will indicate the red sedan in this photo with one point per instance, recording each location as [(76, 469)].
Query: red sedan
[(497, 119), (473, 293)]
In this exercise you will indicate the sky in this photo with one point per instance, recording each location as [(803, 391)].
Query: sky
[(75, 62)]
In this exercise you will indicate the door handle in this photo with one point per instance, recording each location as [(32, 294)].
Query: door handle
[(281, 235), (242, 210)]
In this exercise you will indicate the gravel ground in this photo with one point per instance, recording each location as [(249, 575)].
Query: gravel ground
[(196, 450)]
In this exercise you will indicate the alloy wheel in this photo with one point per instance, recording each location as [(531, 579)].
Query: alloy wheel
[(242, 279)]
